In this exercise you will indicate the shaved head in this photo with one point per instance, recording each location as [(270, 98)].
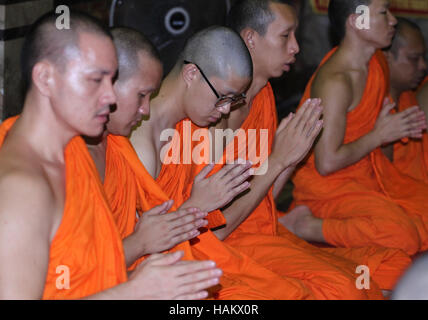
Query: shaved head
[(414, 284), (339, 11), (219, 52), (44, 41), (254, 14), (402, 28), (406, 57), (129, 44)]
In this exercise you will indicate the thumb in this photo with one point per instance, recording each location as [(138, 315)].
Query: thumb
[(204, 172), (163, 208), (387, 107), (168, 258), (284, 123)]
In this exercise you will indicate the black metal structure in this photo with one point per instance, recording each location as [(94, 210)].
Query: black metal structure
[(168, 23)]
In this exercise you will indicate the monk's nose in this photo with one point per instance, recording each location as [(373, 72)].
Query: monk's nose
[(225, 109)]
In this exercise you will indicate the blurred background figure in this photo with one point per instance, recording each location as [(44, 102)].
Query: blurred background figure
[(414, 284)]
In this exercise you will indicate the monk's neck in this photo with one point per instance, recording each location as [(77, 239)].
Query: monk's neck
[(258, 83), (395, 93), (167, 109), (42, 130), (98, 149), (355, 53)]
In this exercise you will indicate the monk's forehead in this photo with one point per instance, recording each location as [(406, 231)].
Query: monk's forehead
[(97, 50), (285, 17)]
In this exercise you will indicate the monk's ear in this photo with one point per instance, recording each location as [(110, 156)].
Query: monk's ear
[(43, 77), (250, 37), (359, 21), (189, 73)]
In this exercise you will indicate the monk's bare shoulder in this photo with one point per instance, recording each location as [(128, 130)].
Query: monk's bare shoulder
[(27, 206), (25, 192), (142, 141), (334, 87)]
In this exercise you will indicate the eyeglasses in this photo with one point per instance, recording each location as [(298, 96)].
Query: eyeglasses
[(221, 100)]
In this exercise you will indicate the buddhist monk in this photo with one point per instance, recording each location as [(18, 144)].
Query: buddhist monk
[(357, 197), (58, 236), (131, 188), (139, 76), (407, 65), (287, 257), (153, 233)]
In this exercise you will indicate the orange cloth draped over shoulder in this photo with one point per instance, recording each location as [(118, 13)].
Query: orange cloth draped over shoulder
[(411, 157), (87, 240), (130, 187), (329, 273), (369, 203)]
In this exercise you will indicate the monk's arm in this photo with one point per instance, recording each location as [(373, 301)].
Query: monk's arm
[(26, 207), (331, 154), (293, 139), (423, 100), (282, 180)]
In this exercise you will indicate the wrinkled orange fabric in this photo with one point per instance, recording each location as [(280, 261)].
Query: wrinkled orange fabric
[(129, 187), (327, 272), (411, 157), (370, 202), (87, 240)]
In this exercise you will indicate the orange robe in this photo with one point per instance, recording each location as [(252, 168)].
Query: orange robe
[(328, 275), (87, 240), (411, 157), (129, 187), (370, 202)]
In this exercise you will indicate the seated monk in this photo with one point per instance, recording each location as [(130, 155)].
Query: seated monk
[(406, 60), (357, 197), (328, 276), (57, 234), (130, 187)]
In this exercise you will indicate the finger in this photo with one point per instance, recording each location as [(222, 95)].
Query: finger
[(167, 258), (241, 178), (239, 189), (189, 229), (284, 123), (409, 112), (387, 107), (197, 286), (301, 112), (204, 172), (313, 120), (305, 124), (420, 124), (185, 237), (191, 266), (187, 219), (163, 208), (414, 117), (195, 212), (414, 132), (200, 276), (228, 167), (237, 172), (193, 296), (316, 130)]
